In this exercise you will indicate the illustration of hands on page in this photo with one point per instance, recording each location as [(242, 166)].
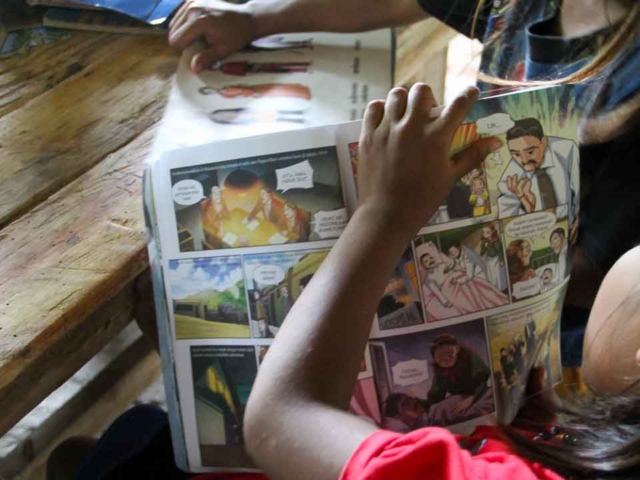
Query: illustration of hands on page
[(242, 225)]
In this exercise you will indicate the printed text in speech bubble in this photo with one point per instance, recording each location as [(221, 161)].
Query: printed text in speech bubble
[(410, 372), (299, 175), (495, 124), (330, 224), (268, 274), (187, 192), (527, 288), (532, 225)]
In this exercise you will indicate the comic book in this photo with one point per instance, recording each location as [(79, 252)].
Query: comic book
[(240, 226)]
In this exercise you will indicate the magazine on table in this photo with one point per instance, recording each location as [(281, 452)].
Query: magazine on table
[(240, 226)]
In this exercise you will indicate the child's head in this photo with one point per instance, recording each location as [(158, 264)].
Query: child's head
[(612, 339)]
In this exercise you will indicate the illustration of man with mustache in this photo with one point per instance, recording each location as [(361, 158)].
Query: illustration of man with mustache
[(542, 173)]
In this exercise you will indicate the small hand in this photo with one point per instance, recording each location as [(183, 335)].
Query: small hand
[(245, 221), (225, 27), (464, 405), (405, 170), (527, 197)]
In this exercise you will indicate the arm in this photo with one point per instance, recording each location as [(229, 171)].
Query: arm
[(308, 376), (433, 288), (227, 28)]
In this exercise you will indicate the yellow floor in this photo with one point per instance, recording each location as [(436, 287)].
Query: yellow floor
[(192, 327)]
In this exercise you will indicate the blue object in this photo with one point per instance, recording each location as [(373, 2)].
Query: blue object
[(153, 12)]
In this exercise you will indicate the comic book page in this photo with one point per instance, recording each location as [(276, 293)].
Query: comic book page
[(279, 83), (475, 301), (473, 304), (245, 224)]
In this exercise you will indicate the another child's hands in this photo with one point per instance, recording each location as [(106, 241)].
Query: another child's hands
[(225, 27), (405, 171)]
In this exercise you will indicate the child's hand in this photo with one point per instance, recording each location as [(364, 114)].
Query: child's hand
[(405, 171), (226, 28)]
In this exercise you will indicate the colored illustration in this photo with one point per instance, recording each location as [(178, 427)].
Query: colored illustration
[(274, 282), (208, 296), (400, 304), (353, 152), (537, 252), (251, 116), (543, 172), (244, 68), (462, 271), (520, 340), (222, 379), (268, 200), (435, 378), (282, 90)]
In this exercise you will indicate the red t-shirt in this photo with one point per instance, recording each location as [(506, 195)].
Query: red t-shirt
[(431, 454), (435, 454)]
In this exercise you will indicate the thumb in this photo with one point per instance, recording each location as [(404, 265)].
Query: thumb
[(206, 58), (463, 161)]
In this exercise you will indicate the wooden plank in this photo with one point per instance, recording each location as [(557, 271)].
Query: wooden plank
[(44, 365), (112, 392), (62, 262), (24, 77), (60, 134)]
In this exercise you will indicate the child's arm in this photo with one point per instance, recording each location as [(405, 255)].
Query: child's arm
[(295, 423), (228, 27)]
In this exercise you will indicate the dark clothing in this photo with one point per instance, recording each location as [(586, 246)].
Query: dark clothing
[(527, 47), (467, 377)]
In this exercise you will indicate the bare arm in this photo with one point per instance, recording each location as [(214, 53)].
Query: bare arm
[(227, 28), (295, 424)]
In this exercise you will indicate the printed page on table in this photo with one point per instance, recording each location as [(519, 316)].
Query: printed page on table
[(243, 227), (475, 301), (280, 83)]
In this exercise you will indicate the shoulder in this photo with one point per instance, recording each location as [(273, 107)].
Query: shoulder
[(561, 146)]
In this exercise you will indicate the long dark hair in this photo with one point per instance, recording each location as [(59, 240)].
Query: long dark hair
[(598, 434), (600, 437)]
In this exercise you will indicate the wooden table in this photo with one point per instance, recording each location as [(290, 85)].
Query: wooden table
[(77, 119)]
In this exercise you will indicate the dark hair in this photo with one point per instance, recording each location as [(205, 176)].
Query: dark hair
[(527, 127), (601, 436), (559, 231), (390, 407), (547, 270), (442, 340), (601, 432), (503, 349)]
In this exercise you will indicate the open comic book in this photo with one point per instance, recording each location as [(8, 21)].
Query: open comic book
[(241, 226)]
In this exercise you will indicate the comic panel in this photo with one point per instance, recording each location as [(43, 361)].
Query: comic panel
[(438, 377), (269, 200), (274, 283), (537, 249), (537, 168), (208, 298), (462, 271), (522, 339), (364, 401), (222, 379), (400, 305)]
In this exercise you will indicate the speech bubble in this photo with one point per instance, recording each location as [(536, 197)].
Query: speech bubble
[(299, 175), (531, 225), (330, 224), (526, 288), (410, 372), (495, 124), (268, 274), (187, 192)]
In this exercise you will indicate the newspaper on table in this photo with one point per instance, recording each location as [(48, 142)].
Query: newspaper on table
[(240, 227)]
